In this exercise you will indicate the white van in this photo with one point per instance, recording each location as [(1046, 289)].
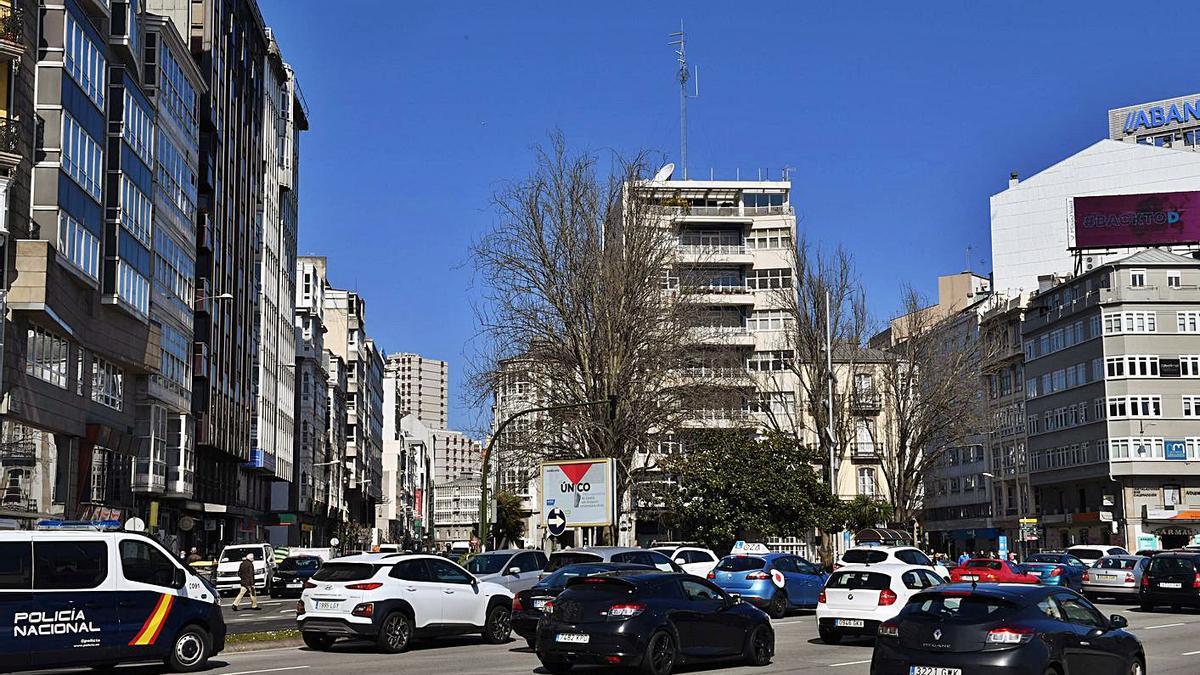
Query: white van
[(86, 597), (227, 579)]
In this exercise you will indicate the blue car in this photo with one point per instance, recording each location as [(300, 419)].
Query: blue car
[(775, 582), (1055, 568)]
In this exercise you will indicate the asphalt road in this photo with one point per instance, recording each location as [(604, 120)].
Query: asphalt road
[(274, 615), (1169, 638)]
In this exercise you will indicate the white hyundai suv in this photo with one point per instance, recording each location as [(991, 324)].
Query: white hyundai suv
[(895, 555), (390, 598), (856, 600)]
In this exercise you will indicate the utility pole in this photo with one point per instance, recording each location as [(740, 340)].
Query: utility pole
[(680, 40), (829, 394)]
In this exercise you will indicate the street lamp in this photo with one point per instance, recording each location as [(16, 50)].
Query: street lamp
[(223, 296)]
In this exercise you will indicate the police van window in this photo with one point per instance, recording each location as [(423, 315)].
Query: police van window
[(69, 564), (143, 563), (16, 565)]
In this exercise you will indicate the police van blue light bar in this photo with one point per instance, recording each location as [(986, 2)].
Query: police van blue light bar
[(78, 525)]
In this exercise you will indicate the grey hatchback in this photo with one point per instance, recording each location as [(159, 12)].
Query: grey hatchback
[(1117, 576), (514, 569)]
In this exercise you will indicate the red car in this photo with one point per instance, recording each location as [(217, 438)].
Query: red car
[(992, 571)]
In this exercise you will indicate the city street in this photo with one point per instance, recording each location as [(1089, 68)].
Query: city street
[(1169, 639), (275, 615)]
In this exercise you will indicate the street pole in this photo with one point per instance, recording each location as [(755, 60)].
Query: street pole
[(484, 521), (829, 375)]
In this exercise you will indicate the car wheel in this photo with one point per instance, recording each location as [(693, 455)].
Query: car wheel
[(660, 655), (555, 667), (1146, 607), (778, 606), (498, 627), (317, 641), (829, 637), (760, 647), (394, 633), (189, 651), (1136, 668)]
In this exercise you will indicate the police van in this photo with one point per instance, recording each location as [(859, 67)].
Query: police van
[(81, 594)]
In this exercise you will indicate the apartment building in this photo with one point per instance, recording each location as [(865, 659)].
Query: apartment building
[(403, 515), (316, 466), (454, 455), (1113, 413), (423, 388), (456, 510)]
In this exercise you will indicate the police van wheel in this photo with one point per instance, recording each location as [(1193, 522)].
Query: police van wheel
[(190, 650)]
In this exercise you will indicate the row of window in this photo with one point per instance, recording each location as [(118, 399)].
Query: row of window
[(1148, 448), (1062, 338), (174, 270), (132, 288), (80, 565), (47, 357), (777, 360), (138, 129), (176, 94), (136, 211), (1065, 417), (773, 238), (77, 244), (1137, 278), (84, 61), (1063, 379), (176, 179), (761, 280), (1118, 323), (1135, 406), (82, 157)]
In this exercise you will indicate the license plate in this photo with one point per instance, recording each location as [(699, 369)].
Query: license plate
[(1106, 577), (328, 604), (539, 604), (970, 577), (848, 623), (1170, 584), (574, 638), (295, 584), (933, 670)]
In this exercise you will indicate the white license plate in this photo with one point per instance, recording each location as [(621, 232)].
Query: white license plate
[(1170, 584), (970, 577), (848, 623), (1106, 577), (295, 584), (574, 638), (328, 604), (539, 604), (933, 670)]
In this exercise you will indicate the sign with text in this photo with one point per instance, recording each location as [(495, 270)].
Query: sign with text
[(1175, 450), (581, 489), (1121, 221)]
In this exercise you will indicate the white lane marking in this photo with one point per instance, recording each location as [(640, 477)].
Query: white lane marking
[(1189, 653), (225, 656), (287, 611), (268, 670), (849, 663), (1165, 625)]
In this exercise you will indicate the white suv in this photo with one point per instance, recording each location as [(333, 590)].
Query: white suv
[(893, 555), (389, 598), (857, 599)]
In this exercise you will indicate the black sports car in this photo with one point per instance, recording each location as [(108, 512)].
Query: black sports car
[(965, 629), (528, 605), (291, 574), (651, 620)]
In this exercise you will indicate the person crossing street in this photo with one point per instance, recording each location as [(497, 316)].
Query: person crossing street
[(246, 578)]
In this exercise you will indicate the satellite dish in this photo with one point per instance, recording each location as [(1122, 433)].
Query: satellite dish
[(665, 172), (135, 525)]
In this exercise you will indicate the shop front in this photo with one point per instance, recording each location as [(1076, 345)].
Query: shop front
[(1169, 528)]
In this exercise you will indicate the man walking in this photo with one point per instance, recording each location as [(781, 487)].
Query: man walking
[(246, 577)]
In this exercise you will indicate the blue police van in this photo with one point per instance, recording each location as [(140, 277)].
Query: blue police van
[(81, 595)]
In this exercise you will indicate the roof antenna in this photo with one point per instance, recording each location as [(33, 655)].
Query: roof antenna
[(680, 40)]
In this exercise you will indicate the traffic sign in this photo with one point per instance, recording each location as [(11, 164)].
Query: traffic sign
[(556, 522), (1029, 521)]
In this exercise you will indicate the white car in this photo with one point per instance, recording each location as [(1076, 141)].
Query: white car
[(894, 555), (1089, 554), (391, 598), (857, 599), (694, 560), (231, 559)]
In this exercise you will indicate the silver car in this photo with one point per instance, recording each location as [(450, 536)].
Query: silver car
[(514, 569), (1115, 575)]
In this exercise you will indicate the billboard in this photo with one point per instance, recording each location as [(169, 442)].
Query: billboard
[(581, 488), (1120, 221)]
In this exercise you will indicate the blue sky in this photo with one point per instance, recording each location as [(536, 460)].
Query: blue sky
[(898, 123)]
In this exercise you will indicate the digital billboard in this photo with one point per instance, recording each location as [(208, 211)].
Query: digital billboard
[(582, 489), (1122, 221)]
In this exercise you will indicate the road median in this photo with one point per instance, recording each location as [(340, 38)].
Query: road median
[(267, 639)]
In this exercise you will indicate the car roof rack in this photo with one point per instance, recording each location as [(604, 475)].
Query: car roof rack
[(78, 525)]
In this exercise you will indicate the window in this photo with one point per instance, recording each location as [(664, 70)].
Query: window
[(913, 557), (1191, 406), (335, 571), (1131, 366), (761, 320), (176, 179), (770, 361), (133, 288), (79, 245), (69, 564), (699, 592), (866, 481), (1079, 611), (1135, 406), (761, 280), (107, 383), (410, 570), (1173, 280), (16, 565), (1188, 322), (1189, 365), (82, 157), (138, 131), (84, 61), (774, 238), (526, 562), (1130, 322), (446, 572), (1137, 278), (136, 211), (46, 356), (145, 564), (177, 95)]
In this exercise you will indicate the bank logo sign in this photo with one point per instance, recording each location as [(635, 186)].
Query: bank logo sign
[(1162, 115), (1117, 221), (582, 489)]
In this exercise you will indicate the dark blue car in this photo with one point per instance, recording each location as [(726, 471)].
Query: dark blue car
[(1055, 568), (776, 582)]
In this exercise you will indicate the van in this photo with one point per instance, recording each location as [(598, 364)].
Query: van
[(86, 597), (227, 579)]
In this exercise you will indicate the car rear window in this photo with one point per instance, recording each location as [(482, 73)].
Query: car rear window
[(345, 572), (560, 560), (1116, 563), (1161, 564), (599, 588), (984, 564), (740, 563), (855, 580), (1044, 558), (958, 607), (1087, 552), (861, 556), (300, 564)]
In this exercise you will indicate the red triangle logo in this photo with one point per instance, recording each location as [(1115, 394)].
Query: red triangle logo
[(575, 472)]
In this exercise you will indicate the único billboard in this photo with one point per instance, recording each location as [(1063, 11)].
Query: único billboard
[(1118, 221), (583, 489)]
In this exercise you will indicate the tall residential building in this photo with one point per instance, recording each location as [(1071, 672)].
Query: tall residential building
[(229, 42), (1112, 403), (316, 467), (454, 455), (284, 117), (423, 388)]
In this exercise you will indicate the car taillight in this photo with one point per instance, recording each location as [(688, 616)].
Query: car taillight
[(364, 609), (1145, 582), (309, 584), (758, 576), (548, 608), (1129, 577), (1087, 577), (517, 606), (299, 607), (889, 629), (1196, 580), (364, 587), (886, 597), (1056, 572), (626, 610), (1009, 635), (821, 597), (712, 575)]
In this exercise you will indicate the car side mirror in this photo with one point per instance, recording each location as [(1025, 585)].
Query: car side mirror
[(514, 571), (1118, 621)]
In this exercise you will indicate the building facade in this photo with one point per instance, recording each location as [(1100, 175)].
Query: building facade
[(454, 455), (1170, 123), (316, 466), (423, 388), (456, 510)]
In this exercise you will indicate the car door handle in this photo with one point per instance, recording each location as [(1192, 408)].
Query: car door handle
[(410, 589), (123, 603), (1084, 643), (448, 591)]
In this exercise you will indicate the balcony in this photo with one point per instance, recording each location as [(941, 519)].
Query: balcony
[(200, 359), (12, 32), (714, 254), (181, 483), (737, 336), (10, 141), (865, 402), (731, 212), (149, 476), (719, 294), (865, 452)]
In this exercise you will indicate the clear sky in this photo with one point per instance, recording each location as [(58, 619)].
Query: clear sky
[(899, 120)]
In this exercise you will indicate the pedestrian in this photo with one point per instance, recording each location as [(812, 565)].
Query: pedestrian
[(962, 559), (193, 556), (246, 578), (182, 555)]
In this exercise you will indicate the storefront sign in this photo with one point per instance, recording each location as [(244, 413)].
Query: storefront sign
[(1175, 531), (1137, 220), (1171, 514), (1106, 516), (1169, 368), (1161, 116), (1147, 541), (1175, 450), (1191, 496), (1145, 492)]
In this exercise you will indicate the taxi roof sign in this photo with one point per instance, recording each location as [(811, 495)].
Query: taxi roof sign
[(752, 548), (54, 524)]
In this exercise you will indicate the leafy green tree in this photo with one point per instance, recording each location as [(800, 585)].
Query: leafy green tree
[(510, 523), (732, 486), (863, 511)]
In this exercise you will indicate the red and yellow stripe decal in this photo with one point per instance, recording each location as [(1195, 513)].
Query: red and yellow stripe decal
[(154, 623)]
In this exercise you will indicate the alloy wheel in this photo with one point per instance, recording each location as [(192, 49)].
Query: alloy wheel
[(662, 653), (397, 631)]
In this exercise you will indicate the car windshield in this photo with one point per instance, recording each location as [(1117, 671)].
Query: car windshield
[(854, 580), (860, 556), (561, 560), (964, 608), (984, 564), (345, 572), (1168, 565), (293, 564), (560, 578), (740, 563), (236, 554), (1044, 558), (487, 563), (1116, 563)]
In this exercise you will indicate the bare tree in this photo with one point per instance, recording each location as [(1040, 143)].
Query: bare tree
[(933, 388)]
